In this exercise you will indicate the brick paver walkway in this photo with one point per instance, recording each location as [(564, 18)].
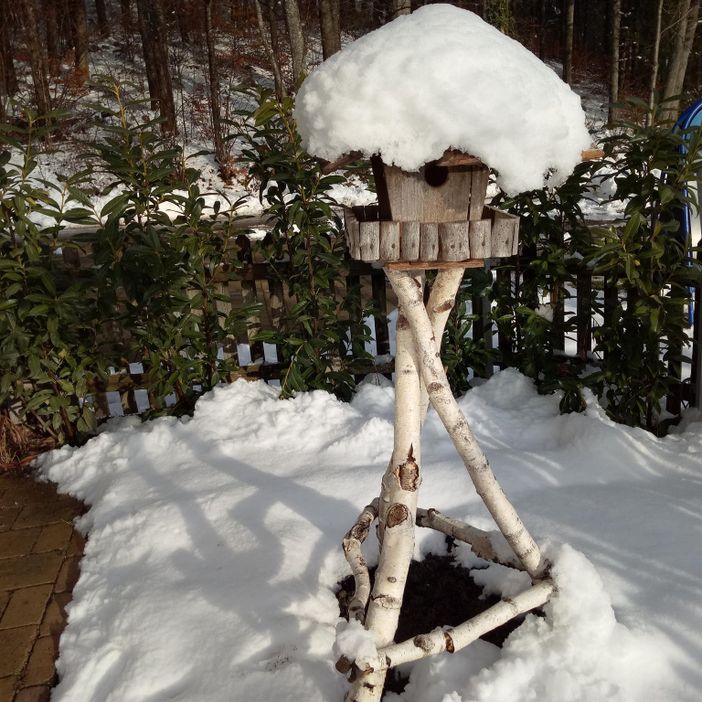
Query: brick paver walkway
[(39, 563)]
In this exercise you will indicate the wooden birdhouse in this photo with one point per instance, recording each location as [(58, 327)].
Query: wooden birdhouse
[(436, 214)]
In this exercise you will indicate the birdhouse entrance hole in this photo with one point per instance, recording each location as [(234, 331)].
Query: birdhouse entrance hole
[(435, 175)]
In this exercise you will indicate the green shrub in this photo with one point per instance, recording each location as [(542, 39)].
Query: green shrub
[(321, 337), (162, 262), (649, 263), (638, 349), (48, 354)]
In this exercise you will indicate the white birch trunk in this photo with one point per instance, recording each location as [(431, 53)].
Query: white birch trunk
[(441, 398), (398, 504)]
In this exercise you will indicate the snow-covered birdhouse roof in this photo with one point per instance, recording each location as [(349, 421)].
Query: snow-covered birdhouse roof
[(442, 79)]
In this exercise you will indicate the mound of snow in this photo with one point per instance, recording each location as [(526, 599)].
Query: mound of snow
[(215, 547), (443, 78)]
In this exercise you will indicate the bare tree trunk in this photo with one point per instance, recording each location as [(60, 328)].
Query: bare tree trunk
[(7, 65), (214, 85), (154, 35), (42, 95), (125, 7), (79, 19), (542, 32), (616, 23), (266, 38), (684, 38), (183, 21), (53, 45), (102, 19), (149, 59), (400, 7), (568, 43), (655, 63), (330, 27), (297, 38)]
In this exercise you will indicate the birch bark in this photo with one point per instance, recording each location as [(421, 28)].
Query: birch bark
[(352, 550), (441, 301), (482, 543), (399, 498)]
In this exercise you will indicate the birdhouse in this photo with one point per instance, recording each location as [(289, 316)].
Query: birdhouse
[(434, 214)]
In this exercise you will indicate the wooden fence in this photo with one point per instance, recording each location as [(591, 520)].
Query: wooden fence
[(258, 284), (127, 391)]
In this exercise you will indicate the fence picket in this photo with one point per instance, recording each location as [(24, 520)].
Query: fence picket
[(584, 314), (382, 334)]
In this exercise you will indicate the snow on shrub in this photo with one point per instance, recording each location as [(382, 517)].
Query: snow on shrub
[(443, 78)]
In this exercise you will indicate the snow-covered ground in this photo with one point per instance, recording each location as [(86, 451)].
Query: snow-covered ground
[(213, 550)]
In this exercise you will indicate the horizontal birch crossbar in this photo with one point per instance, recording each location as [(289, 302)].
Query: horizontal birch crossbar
[(453, 639), (483, 544)]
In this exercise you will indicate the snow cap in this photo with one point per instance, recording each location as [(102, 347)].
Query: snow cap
[(443, 78)]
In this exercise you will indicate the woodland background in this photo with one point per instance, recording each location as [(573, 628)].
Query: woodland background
[(51, 49)]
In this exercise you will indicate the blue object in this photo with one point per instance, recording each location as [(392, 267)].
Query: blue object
[(692, 117)]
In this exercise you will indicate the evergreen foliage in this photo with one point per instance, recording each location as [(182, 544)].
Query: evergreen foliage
[(322, 335)]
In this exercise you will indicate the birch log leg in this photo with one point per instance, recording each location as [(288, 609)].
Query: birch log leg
[(441, 398), (441, 301), (399, 491)]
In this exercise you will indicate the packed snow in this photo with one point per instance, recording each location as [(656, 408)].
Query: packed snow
[(443, 78), (214, 549)]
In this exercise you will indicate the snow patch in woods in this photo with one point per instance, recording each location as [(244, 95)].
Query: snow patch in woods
[(443, 78), (215, 546)]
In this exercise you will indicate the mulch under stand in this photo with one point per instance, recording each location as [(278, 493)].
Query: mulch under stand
[(439, 592), (40, 556)]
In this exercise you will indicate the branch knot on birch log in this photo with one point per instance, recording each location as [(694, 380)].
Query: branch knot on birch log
[(445, 306), (397, 514)]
